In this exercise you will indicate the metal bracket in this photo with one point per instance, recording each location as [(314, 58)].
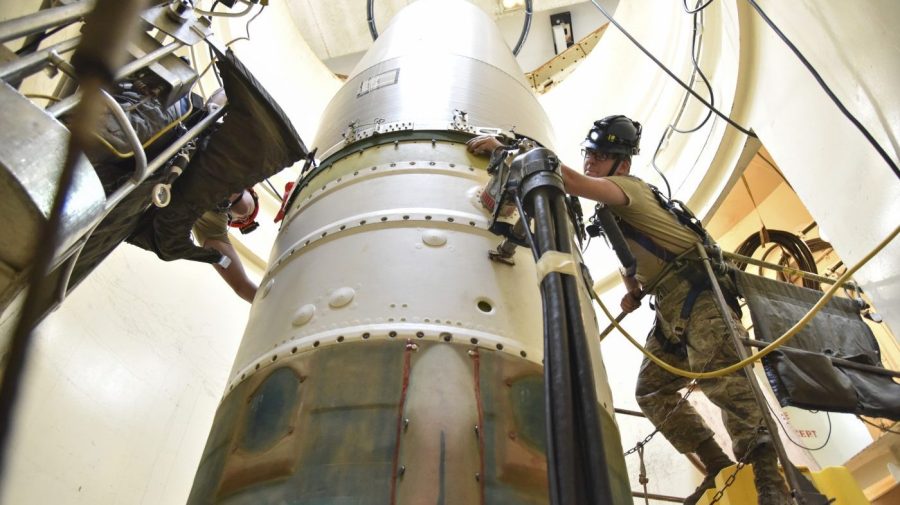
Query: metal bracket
[(189, 30), (354, 133), (460, 122)]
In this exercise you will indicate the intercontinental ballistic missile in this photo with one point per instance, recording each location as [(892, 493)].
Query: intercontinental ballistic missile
[(388, 359)]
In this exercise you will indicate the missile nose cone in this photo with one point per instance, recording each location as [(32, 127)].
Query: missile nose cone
[(441, 65)]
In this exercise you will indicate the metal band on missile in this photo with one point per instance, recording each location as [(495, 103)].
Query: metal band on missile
[(387, 359)]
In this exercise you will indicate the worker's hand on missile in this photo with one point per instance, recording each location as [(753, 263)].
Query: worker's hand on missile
[(483, 145), (631, 301)]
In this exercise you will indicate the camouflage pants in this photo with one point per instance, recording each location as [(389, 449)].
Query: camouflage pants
[(709, 347)]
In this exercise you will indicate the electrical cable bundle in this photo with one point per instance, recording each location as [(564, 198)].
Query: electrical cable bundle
[(818, 78), (576, 457), (794, 249), (696, 48)]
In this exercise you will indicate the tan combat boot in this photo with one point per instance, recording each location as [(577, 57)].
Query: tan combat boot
[(714, 459)]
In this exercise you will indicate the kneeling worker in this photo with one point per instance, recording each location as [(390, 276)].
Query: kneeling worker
[(696, 340)]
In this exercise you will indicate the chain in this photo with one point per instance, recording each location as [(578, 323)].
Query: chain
[(728, 482), (740, 465), (640, 445)]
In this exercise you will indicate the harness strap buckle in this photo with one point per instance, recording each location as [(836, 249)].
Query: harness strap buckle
[(679, 327)]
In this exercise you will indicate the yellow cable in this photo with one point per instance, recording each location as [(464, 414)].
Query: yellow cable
[(43, 97), (152, 139), (767, 349)]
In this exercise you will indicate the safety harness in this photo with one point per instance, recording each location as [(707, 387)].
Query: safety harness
[(696, 277)]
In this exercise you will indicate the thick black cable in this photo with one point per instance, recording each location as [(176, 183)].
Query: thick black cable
[(587, 418), (793, 245), (558, 398), (798, 444), (527, 227), (696, 48), (370, 19), (840, 105), (670, 73), (655, 167), (212, 57), (212, 60), (526, 26), (696, 9)]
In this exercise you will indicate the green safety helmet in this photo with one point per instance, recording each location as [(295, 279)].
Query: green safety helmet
[(615, 135)]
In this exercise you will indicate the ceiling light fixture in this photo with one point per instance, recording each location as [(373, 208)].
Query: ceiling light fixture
[(509, 5)]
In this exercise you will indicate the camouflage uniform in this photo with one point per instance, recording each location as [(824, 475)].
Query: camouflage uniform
[(709, 347)]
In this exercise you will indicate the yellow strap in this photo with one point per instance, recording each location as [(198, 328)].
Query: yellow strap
[(555, 261), (767, 349)]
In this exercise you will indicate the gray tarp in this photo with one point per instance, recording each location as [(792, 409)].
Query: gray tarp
[(805, 377)]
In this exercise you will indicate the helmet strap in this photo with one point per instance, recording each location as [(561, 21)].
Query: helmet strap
[(615, 167)]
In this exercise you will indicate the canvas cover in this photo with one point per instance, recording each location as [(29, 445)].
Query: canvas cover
[(805, 376)]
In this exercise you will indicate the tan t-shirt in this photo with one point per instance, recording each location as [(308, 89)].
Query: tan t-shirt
[(646, 214), (211, 225)]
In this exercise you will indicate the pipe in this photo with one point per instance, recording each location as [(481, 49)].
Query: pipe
[(21, 68), (627, 412), (162, 158), (596, 478), (65, 105), (148, 59), (877, 370), (140, 157), (779, 268), (660, 497), (41, 20), (562, 463)]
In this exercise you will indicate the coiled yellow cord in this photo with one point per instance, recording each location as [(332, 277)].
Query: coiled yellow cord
[(767, 349)]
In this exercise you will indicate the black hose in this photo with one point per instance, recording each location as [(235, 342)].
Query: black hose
[(665, 69), (526, 26), (794, 247), (562, 464), (696, 9), (696, 48), (370, 18), (526, 228), (594, 469), (616, 240), (840, 105)]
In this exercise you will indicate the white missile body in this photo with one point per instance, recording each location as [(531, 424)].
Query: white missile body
[(387, 359)]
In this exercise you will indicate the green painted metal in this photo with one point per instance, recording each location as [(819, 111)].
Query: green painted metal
[(337, 417), (382, 139)]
